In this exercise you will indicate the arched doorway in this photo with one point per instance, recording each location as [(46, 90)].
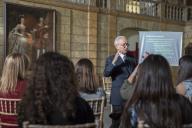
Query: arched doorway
[(132, 35)]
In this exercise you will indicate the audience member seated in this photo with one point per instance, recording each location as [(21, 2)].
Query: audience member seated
[(89, 87), (52, 97), (184, 86), (12, 84), (127, 88), (154, 101)]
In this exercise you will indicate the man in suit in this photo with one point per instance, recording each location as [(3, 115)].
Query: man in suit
[(118, 67)]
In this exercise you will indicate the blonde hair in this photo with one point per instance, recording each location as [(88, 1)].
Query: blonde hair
[(14, 68)]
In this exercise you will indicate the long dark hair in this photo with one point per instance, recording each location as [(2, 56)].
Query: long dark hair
[(87, 78), (53, 86), (153, 96), (185, 68)]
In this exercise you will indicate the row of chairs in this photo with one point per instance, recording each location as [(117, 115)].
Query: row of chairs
[(96, 104), (87, 125), (8, 107)]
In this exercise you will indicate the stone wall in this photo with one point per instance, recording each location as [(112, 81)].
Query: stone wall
[(1, 35), (188, 33), (106, 34)]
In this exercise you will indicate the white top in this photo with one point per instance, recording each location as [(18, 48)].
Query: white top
[(122, 56)]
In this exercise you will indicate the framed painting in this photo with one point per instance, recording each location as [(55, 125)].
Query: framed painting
[(29, 30)]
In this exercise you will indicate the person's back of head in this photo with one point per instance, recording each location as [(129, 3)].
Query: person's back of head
[(153, 98), (87, 78), (154, 79), (52, 89), (185, 68), (14, 69)]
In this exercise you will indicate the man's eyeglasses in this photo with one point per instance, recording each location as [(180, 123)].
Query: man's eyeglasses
[(125, 45)]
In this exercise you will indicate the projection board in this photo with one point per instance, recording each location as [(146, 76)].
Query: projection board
[(168, 44)]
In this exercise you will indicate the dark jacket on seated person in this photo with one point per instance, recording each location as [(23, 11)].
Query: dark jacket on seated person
[(126, 90), (186, 107), (83, 114)]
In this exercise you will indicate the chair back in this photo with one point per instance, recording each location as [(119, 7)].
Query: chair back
[(8, 107), (87, 125), (187, 126), (97, 106), (142, 125), (107, 84), (190, 98)]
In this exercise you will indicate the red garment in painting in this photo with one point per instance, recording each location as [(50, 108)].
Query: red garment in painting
[(17, 94), (41, 36)]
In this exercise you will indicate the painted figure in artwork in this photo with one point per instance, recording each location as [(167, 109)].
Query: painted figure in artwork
[(19, 39), (41, 36)]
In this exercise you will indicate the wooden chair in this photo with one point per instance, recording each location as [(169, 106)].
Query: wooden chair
[(142, 125), (98, 108), (8, 107), (107, 83), (190, 98), (87, 125), (187, 126)]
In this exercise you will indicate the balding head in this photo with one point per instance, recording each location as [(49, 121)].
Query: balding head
[(121, 44), (116, 42)]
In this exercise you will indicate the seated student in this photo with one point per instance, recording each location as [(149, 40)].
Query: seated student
[(127, 88), (89, 87), (52, 97), (13, 83), (154, 101), (184, 81)]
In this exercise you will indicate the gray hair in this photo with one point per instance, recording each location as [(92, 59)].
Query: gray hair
[(117, 39)]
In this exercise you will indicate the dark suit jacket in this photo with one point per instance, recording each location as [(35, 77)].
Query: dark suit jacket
[(118, 72)]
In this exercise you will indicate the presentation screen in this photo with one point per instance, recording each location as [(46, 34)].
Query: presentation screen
[(168, 44)]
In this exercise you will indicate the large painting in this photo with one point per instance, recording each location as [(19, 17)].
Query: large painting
[(29, 30)]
